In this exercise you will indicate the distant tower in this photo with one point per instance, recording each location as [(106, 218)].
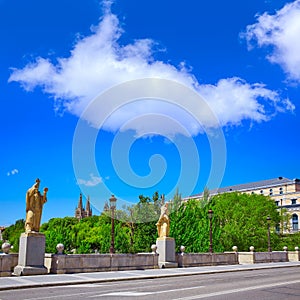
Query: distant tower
[(88, 210), (80, 212), (106, 207)]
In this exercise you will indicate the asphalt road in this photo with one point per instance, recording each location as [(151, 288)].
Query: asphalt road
[(265, 284)]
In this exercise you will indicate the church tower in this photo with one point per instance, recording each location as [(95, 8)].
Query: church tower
[(88, 210), (80, 212)]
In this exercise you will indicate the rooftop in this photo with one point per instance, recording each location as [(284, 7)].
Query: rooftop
[(278, 181)]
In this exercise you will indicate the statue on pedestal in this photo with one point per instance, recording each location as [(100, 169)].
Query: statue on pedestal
[(165, 244), (32, 243), (163, 223), (34, 206)]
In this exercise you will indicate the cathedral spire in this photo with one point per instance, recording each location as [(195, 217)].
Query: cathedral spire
[(80, 202), (88, 209), (80, 212)]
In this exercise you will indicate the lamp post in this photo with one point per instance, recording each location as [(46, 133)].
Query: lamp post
[(112, 201), (269, 237), (210, 215)]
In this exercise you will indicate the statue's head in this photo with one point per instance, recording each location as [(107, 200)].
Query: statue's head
[(37, 183), (164, 208)]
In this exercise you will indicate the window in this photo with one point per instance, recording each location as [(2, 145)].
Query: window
[(281, 191), (277, 203), (271, 192), (295, 222), (261, 191), (294, 201)]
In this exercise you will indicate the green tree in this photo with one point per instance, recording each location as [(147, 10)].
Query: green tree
[(242, 219), (176, 202), (205, 196), (139, 223), (146, 212), (12, 234), (190, 227), (289, 240), (59, 230)]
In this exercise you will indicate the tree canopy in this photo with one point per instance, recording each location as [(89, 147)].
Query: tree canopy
[(242, 220), (238, 220)]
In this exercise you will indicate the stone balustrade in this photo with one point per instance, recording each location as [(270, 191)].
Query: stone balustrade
[(78, 263), (206, 259), (262, 257), (7, 264)]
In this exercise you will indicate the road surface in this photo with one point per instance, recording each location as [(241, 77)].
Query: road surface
[(272, 284)]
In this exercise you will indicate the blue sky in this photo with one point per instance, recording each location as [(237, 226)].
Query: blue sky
[(81, 112)]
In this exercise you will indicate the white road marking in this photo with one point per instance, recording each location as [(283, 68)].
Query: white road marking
[(134, 293), (101, 295), (91, 285), (250, 288), (127, 294), (59, 296)]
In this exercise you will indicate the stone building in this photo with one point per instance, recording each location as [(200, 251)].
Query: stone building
[(1, 231), (284, 191), (80, 211)]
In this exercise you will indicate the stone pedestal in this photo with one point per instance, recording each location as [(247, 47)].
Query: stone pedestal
[(166, 251), (31, 255)]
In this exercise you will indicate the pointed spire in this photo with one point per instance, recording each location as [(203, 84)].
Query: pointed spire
[(79, 209), (80, 202), (88, 210), (106, 207)]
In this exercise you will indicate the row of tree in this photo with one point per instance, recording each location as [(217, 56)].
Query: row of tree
[(238, 220)]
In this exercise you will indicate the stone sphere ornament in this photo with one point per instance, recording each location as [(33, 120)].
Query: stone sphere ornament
[(182, 249), (6, 248), (60, 248), (154, 248)]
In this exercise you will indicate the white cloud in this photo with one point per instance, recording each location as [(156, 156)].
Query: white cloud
[(234, 100), (12, 172), (281, 31), (99, 61), (92, 181)]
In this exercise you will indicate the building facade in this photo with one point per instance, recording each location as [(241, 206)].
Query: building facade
[(80, 211), (284, 191), (1, 230)]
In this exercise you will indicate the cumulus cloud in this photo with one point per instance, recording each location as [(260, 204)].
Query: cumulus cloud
[(234, 100), (280, 31), (92, 181), (99, 61), (13, 172)]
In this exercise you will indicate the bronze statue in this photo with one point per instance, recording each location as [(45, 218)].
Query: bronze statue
[(163, 224), (34, 206)]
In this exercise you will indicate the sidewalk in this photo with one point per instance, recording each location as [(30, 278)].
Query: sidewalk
[(10, 283)]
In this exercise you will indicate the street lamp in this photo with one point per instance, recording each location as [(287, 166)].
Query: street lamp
[(210, 215), (113, 203), (269, 237)]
